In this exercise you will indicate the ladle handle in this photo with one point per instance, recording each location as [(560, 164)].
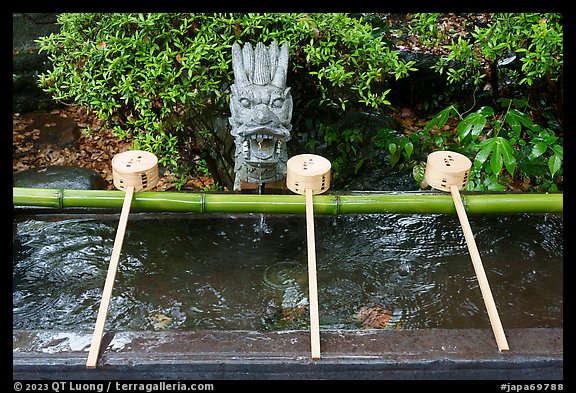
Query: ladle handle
[(480, 273), (312, 286), (109, 284)]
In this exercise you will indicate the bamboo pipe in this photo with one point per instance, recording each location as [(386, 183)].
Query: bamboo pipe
[(409, 202), (449, 171), (132, 170), (309, 174)]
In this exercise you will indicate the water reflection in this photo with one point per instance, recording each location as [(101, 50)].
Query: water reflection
[(208, 272)]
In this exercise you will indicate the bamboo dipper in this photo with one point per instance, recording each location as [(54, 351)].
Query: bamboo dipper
[(449, 171), (133, 170), (310, 174)]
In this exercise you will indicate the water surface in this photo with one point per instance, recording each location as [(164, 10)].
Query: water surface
[(249, 271)]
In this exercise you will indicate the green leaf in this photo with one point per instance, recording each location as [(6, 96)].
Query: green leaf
[(514, 123), (496, 161), (491, 184), (472, 124), (485, 149), (409, 149), (441, 118), (508, 154), (547, 137), (517, 119), (500, 152), (554, 164), (558, 150), (395, 157), (418, 172), (538, 149), (486, 111)]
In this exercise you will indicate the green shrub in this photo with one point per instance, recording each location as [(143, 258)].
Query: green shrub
[(162, 78), (537, 39), (509, 151)]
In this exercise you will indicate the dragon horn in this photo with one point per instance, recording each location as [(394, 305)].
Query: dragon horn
[(280, 76), (261, 75), (273, 54), (238, 65), (248, 57)]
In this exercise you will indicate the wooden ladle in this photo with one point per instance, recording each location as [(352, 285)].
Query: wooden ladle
[(132, 171), (449, 171), (309, 174)]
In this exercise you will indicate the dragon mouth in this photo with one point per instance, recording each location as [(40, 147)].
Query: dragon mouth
[(262, 146)]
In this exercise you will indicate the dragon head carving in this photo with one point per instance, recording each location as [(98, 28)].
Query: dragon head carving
[(261, 112)]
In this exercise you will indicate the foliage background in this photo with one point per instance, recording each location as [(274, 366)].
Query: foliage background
[(161, 81)]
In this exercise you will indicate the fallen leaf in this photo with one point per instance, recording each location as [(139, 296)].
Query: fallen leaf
[(373, 317)]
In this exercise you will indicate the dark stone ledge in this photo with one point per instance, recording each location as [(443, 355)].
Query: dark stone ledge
[(366, 354)]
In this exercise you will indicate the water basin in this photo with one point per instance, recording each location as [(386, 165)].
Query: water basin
[(191, 272)]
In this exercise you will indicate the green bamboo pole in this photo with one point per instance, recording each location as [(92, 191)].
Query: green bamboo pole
[(411, 202)]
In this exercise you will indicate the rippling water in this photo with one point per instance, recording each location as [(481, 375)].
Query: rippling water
[(250, 271)]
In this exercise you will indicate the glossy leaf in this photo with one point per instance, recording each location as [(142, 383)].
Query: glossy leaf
[(441, 118), (538, 149), (508, 154), (409, 149), (558, 150), (418, 172), (491, 184), (485, 149), (474, 123), (496, 161), (554, 164), (501, 154), (517, 119)]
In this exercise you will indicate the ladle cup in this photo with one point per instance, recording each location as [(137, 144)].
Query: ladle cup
[(449, 171), (133, 170), (309, 174)]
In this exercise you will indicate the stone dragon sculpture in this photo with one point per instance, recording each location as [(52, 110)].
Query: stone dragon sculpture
[(261, 112)]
